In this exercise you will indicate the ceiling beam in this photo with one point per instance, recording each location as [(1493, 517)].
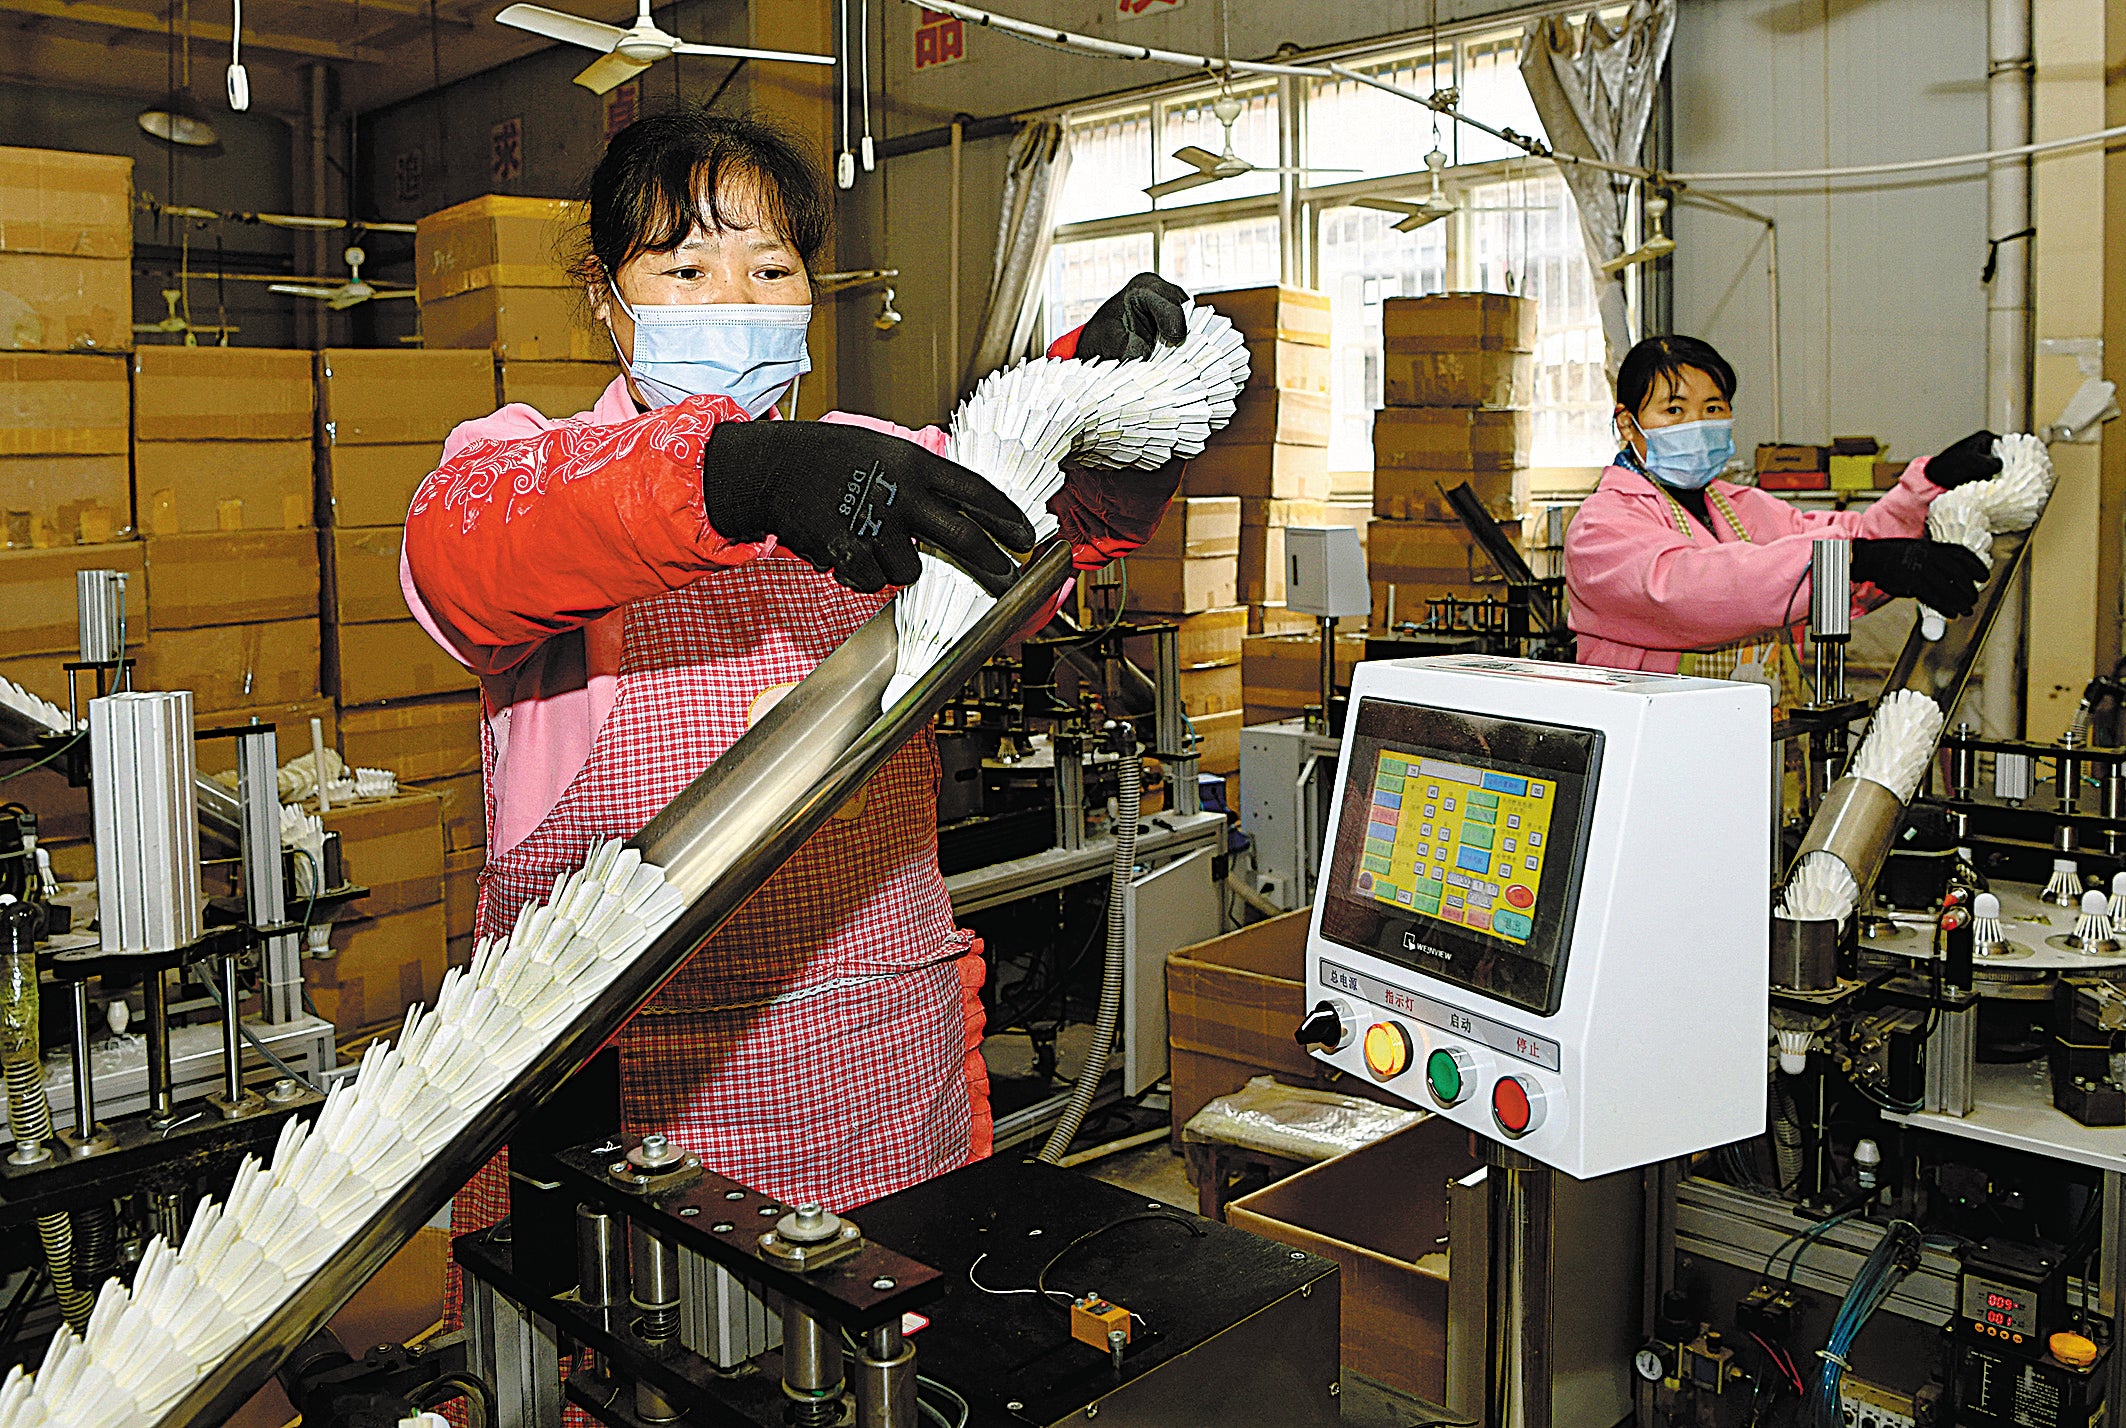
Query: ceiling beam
[(344, 10), (87, 12)]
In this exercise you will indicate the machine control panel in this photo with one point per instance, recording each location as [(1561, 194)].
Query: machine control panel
[(1388, 1049), (1450, 1075)]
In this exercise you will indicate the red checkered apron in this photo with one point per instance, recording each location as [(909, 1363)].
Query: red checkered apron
[(819, 1047)]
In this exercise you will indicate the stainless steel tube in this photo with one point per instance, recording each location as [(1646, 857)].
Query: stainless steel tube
[(155, 1010), (885, 1380), (1830, 613), (1069, 750), (1856, 825), (84, 1073), (653, 1264), (601, 1258), (1328, 671), (1176, 750), (232, 1044), (811, 1368), (718, 841)]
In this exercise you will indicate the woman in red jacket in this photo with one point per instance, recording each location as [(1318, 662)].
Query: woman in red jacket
[(623, 582)]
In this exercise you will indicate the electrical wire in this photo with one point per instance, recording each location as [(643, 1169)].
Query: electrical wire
[(959, 1403), (207, 984), (1893, 1257), (1175, 1217), (62, 749)]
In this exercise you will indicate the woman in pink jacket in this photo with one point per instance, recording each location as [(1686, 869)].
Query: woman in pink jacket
[(636, 584), (1669, 568)]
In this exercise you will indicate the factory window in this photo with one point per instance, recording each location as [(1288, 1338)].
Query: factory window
[(1511, 227)]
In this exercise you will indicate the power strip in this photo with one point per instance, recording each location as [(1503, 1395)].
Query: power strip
[(1863, 1405)]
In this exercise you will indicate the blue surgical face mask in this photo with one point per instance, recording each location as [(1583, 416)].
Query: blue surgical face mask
[(1689, 455), (745, 351)]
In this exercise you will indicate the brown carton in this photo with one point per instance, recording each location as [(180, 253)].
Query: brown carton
[(520, 324), (1280, 414), (461, 890), (64, 500), (1180, 587), (464, 810), (555, 389), (235, 666), (54, 304), (1194, 527), (1261, 470), (392, 846), (1279, 313), (1280, 675), (376, 396), (59, 201), (232, 578), (222, 394), (1299, 366), (494, 241), (1429, 552), (38, 601), (372, 485), (1210, 689), (1458, 379), (396, 660), (419, 741), (362, 575), (1459, 322), (192, 487), (1207, 637), (1451, 439), (51, 405), (1270, 617), (290, 721), (380, 966), (1402, 493), (1219, 752), (1774, 457)]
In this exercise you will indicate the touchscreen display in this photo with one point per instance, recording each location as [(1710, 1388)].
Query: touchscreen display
[(1460, 844)]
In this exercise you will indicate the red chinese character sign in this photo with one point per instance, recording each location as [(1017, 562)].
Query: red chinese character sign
[(939, 39), (506, 150), (623, 106), (1138, 9)]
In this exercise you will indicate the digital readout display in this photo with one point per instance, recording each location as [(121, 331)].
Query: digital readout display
[(1995, 1306)]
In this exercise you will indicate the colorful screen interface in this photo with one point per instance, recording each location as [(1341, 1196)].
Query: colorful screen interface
[(1458, 843)]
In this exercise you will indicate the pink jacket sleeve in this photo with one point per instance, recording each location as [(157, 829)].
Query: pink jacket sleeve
[(1642, 582)]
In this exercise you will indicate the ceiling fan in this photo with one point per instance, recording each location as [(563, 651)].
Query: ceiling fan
[(627, 53), (1210, 167), (351, 293), (1657, 245), (1430, 209)]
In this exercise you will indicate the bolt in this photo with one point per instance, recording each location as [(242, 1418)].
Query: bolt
[(283, 1090), (884, 1283), (722, 1227), (640, 1179), (766, 1210), (734, 1194), (618, 1167), (1297, 1255), (653, 1145), (1033, 1234), (688, 1212), (1014, 1406)]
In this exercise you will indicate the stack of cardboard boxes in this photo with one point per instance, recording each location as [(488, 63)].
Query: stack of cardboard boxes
[(66, 251), (492, 274), (1186, 573), (1458, 378)]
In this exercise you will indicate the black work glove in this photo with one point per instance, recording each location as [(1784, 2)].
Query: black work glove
[(1971, 459), (1148, 310), (854, 501), (1940, 575)]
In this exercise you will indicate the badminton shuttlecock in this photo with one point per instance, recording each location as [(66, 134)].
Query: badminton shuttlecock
[(375, 783), (1900, 740), (1794, 1047), (1820, 889), (36, 710), (2117, 910), (1019, 428), (1986, 932), (305, 833), (1977, 511), (2092, 929), (2065, 885), (245, 1256)]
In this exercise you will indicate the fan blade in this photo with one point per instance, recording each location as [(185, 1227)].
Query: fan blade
[(350, 297), (1418, 220), (1387, 205), (735, 52), (1654, 248), (380, 294), (1197, 158), (570, 29), (1161, 190), (303, 290), (610, 71)]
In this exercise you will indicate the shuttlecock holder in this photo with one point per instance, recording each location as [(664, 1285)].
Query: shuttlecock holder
[(1805, 953)]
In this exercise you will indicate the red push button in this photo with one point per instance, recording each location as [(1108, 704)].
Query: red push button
[(1520, 896), (1516, 1106)]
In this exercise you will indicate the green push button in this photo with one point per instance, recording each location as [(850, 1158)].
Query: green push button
[(1443, 1074)]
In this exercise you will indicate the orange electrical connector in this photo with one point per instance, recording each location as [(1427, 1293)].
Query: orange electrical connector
[(1092, 1319)]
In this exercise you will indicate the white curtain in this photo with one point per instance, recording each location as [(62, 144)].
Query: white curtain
[(1033, 181), (1593, 88)]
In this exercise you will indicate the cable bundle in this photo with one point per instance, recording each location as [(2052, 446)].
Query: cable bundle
[(1977, 511), (1020, 426), (1895, 1255), (242, 1259), (1900, 742), (1821, 889)]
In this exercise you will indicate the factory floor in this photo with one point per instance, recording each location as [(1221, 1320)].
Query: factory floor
[(1157, 1173)]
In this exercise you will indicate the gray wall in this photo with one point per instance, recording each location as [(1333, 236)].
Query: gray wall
[(248, 173), (1882, 313)]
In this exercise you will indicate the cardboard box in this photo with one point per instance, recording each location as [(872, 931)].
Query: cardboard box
[(1459, 322), (1430, 553), (62, 406), (1262, 565), (523, 324), (497, 240), (1889, 473), (1270, 617), (1795, 480), (1458, 379), (1210, 689), (64, 500), (555, 389), (361, 583), (1403, 493), (1296, 366), (61, 201), (1259, 469), (54, 304), (371, 664), (232, 578), (1219, 752), (1451, 439), (379, 396), (222, 394), (1280, 675), (1274, 313), (235, 666), (1206, 637), (1389, 1246), (1771, 457), (1195, 527), (290, 721), (38, 603), (372, 485), (1180, 587), (1852, 473), (464, 800), (1404, 602), (1280, 414), (380, 967), (461, 890), (392, 846), (190, 487), (1283, 512), (419, 741)]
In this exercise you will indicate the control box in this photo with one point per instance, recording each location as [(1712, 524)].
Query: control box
[(1541, 905)]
